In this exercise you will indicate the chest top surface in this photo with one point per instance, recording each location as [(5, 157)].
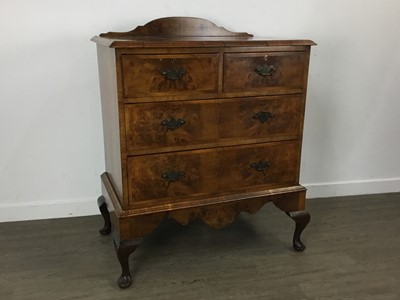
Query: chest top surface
[(187, 32)]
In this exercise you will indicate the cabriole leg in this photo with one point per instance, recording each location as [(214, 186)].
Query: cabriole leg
[(124, 249), (101, 202), (302, 218)]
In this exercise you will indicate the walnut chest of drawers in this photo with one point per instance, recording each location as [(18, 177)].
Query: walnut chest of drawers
[(199, 123)]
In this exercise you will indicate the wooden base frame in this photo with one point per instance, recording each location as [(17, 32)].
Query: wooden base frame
[(128, 229)]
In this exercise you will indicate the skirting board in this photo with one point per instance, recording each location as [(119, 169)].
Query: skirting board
[(88, 206), (349, 188), (48, 210)]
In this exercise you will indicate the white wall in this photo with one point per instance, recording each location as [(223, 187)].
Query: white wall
[(51, 152)]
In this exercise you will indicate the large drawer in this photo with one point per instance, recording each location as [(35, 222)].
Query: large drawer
[(264, 72), (211, 122), (169, 75), (167, 178)]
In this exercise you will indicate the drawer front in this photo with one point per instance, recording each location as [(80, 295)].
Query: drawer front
[(260, 117), (267, 72), (191, 123), (170, 124), (168, 75), (178, 176)]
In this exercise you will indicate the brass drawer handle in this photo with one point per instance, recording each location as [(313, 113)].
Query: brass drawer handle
[(265, 70), (173, 74), (261, 165), (173, 176), (172, 123), (263, 116)]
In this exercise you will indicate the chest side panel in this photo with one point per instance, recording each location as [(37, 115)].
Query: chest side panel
[(110, 114)]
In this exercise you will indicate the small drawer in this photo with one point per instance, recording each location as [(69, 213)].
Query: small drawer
[(169, 75), (265, 72), (208, 123), (167, 178)]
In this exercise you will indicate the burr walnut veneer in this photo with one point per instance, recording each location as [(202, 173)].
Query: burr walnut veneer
[(199, 123)]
